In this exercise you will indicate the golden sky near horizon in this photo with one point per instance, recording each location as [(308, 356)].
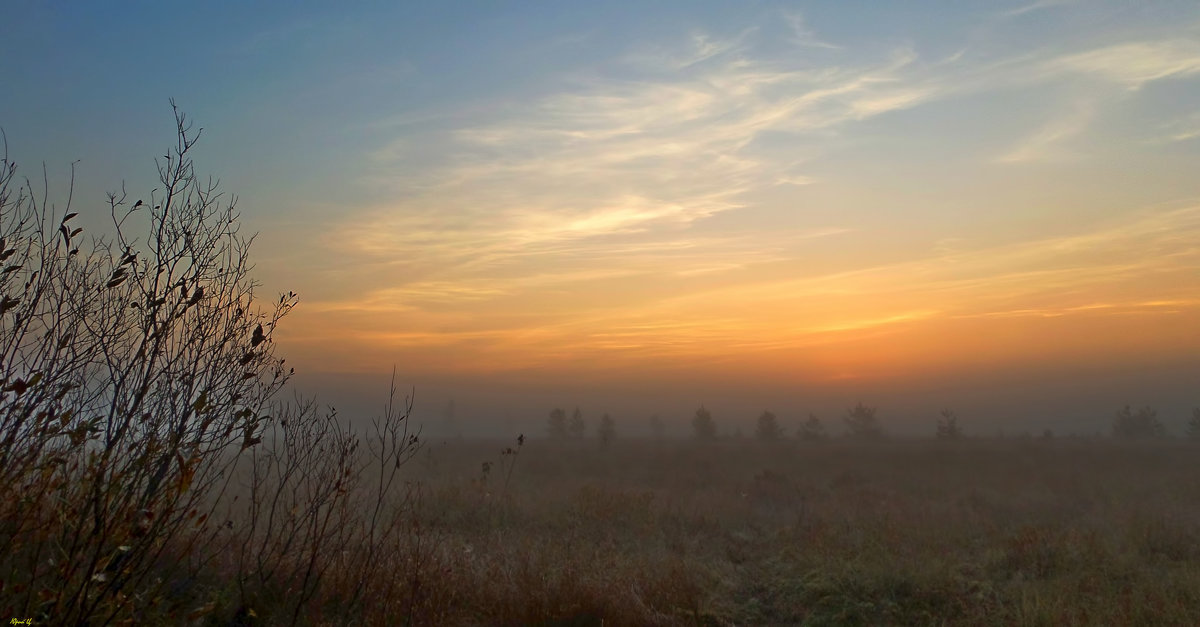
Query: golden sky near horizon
[(873, 214), (1125, 291)]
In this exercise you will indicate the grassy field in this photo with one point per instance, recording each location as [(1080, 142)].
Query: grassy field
[(1008, 532), (642, 532)]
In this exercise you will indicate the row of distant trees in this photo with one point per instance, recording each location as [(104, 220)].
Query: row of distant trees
[(860, 423), (1144, 424), (559, 427)]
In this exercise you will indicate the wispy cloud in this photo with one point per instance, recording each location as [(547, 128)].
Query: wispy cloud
[(1046, 143), (1127, 66), (1181, 129), (1146, 264), (1039, 5), (1134, 64), (582, 172), (615, 215), (802, 35), (701, 47)]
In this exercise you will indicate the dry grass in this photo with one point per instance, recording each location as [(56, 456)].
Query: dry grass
[(715, 533), (1067, 532)]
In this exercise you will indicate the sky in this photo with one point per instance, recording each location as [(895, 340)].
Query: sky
[(638, 207)]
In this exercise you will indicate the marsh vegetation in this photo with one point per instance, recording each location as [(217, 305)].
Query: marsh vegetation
[(975, 532)]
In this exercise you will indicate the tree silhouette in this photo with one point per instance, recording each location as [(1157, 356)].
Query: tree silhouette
[(767, 428), (1193, 425), (607, 431), (556, 425), (1137, 426), (703, 426), (861, 423), (577, 427), (813, 430), (947, 427)]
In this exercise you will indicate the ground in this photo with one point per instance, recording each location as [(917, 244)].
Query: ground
[(740, 532)]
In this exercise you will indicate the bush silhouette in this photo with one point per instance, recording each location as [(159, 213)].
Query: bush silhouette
[(138, 377)]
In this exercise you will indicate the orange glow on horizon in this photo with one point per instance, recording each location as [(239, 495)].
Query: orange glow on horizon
[(1071, 299)]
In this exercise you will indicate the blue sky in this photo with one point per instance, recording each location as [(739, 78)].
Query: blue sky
[(822, 194)]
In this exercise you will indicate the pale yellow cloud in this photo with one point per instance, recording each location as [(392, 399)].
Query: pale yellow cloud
[(619, 156), (1136, 63), (1181, 129), (1047, 142), (1143, 265)]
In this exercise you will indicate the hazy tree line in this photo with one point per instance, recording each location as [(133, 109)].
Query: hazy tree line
[(860, 422)]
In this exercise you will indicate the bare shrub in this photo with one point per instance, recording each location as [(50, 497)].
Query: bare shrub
[(138, 379), (131, 365)]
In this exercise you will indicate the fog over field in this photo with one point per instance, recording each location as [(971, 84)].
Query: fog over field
[(1081, 403)]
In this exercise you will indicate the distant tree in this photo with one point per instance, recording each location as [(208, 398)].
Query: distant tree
[(703, 426), (947, 428), (657, 428), (1137, 426), (1193, 425), (768, 429), (813, 430), (861, 423), (607, 431), (556, 427), (578, 427)]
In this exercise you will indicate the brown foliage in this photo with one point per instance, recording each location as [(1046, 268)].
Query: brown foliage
[(138, 379)]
